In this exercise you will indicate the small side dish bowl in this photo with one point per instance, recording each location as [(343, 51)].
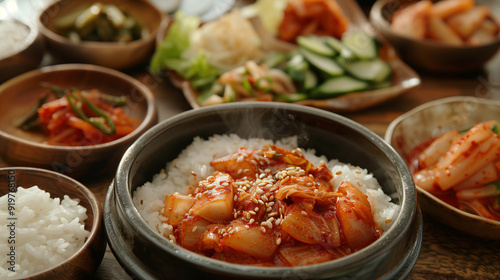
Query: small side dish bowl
[(85, 261), (430, 120), (28, 148), (114, 55), (428, 55), (26, 51), (144, 253)]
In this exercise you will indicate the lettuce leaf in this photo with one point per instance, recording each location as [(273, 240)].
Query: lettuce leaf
[(169, 53)]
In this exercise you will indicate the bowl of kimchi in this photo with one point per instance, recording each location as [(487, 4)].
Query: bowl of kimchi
[(76, 119), (207, 195), (451, 146)]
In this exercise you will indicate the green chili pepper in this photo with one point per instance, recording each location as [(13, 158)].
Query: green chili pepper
[(30, 119), (248, 87), (115, 101), (264, 83), (58, 91), (103, 122)]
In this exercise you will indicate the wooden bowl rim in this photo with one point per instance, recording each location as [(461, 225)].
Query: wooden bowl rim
[(455, 99), (96, 209), (142, 89), (96, 44), (381, 22)]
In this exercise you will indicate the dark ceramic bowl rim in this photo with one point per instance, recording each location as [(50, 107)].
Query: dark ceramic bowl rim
[(90, 197), (143, 89), (380, 21), (122, 191), (28, 41), (96, 44)]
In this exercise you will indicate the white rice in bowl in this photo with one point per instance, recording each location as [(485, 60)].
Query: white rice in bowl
[(196, 158), (48, 231)]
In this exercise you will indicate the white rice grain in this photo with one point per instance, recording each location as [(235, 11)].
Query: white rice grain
[(48, 231)]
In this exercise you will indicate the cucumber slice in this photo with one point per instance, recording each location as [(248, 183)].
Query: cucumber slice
[(375, 70), (294, 97), (337, 45), (324, 64), (337, 86), (315, 45), (361, 44), (310, 80), (296, 68)]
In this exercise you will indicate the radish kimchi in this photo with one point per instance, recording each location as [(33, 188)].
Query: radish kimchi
[(270, 207), (80, 118), (462, 170)]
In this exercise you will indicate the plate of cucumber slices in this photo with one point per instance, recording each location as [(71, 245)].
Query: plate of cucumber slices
[(347, 74)]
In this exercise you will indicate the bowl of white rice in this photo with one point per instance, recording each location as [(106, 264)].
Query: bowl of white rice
[(51, 226), (21, 48), (164, 159)]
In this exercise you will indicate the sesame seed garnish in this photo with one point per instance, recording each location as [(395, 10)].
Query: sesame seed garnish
[(256, 209), (251, 221), (303, 213), (278, 241), (253, 212), (263, 229), (194, 228)]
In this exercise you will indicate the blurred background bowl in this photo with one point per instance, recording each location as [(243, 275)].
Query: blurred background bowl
[(430, 120), (114, 55), (428, 55), (27, 148), (87, 259), (144, 253), (25, 48)]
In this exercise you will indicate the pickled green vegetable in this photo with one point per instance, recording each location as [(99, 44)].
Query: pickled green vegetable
[(100, 22)]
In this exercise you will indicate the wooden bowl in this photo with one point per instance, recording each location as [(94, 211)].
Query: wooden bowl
[(109, 54), (27, 57), (430, 120), (428, 55), (88, 258), (23, 148)]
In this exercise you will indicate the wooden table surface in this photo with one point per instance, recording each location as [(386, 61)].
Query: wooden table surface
[(446, 253)]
